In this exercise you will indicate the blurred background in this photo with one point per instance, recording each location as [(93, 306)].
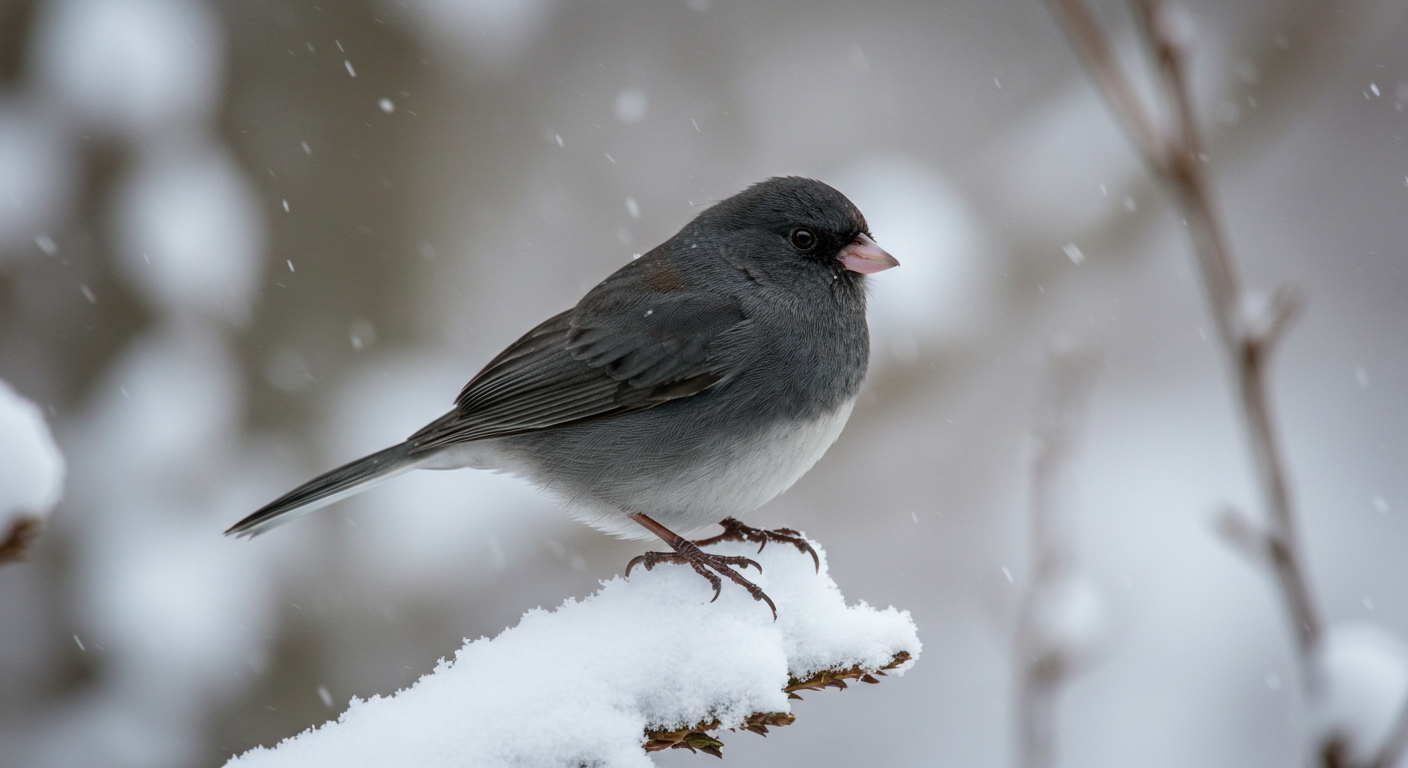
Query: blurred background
[(244, 241)]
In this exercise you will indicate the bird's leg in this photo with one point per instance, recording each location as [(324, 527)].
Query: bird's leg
[(704, 563), (735, 530)]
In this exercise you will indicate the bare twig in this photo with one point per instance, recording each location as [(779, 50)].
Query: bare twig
[(1243, 534), (1046, 664), (1094, 50), (1177, 158), (1395, 744), (1036, 715), (1249, 333)]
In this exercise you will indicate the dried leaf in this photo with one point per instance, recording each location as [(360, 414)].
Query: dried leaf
[(15, 542), (696, 737)]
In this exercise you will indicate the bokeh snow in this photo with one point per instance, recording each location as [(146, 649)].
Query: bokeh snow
[(31, 467)]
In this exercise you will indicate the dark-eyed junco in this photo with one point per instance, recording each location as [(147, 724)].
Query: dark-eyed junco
[(688, 388)]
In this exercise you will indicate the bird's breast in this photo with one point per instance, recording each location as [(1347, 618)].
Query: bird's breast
[(729, 478), (777, 459)]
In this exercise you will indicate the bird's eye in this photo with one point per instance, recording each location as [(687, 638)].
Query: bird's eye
[(803, 239)]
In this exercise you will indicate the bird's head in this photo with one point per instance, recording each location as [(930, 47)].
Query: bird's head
[(792, 225)]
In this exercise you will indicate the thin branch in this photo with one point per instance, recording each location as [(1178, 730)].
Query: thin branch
[(1244, 535), (1182, 170), (1395, 744), (1045, 668), (1183, 145), (1060, 415), (1099, 59), (1036, 715)]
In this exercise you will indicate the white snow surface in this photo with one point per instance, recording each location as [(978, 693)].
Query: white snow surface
[(31, 467), (1364, 668), (581, 684)]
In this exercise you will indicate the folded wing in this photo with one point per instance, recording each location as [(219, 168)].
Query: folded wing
[(626, 347)]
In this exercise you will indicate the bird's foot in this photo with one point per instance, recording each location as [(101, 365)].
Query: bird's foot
[(737, 531), (708, 565)]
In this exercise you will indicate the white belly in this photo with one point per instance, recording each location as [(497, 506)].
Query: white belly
[(731, 486)]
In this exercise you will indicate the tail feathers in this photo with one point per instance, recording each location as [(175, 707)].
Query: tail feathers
[(328, 488)]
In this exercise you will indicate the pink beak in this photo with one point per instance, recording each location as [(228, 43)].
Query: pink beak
[(865, 257)]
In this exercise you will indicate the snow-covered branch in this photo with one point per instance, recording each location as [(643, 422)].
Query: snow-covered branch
[(644, 663), (31, 473)]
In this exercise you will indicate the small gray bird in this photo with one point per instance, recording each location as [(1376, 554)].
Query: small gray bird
[(688, 388)]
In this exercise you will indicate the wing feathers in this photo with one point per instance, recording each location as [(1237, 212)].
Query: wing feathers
[(624, 348)]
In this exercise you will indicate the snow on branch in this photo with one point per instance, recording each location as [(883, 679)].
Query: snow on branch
[(31, 473), (643, 664)]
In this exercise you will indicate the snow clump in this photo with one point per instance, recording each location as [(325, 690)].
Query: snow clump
[(31, 471), (581, 685)]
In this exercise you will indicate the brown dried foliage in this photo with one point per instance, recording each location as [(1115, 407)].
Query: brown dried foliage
[(15, 542), (697, 739)]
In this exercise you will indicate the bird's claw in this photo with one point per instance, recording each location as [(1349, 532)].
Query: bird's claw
[(710, 566), (734, 530)]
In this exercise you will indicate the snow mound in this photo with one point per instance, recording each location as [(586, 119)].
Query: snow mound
[(1364, 668), (31, 471), (581, 685)]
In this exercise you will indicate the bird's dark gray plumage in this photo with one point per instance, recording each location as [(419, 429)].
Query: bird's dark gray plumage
[(693, 385)]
